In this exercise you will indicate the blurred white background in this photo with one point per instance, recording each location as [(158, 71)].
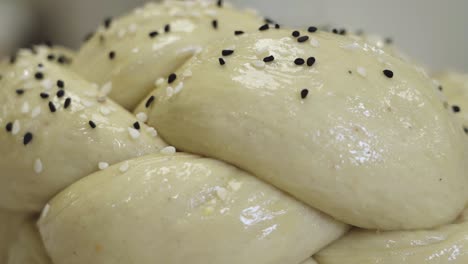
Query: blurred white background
[(434, 32)]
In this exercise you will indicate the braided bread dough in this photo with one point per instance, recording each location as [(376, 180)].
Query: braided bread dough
[(447, 244), (455, 87), (10, 225), (28, 247), (46, 140), (140, 59), (181, 209), (359, 134)]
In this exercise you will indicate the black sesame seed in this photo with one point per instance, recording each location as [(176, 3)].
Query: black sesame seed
[(40, 65), (51, 57), (39, 76), (335, 31), (441, 88), (107, 22), (456, 109), (9, 127), (52, 107), (136, 125), (60, 93), (466, 130), (149, 102), (303, 39), (44, 95), (13, 59), (167, 28), (214, 23), (388, 73), (227, 52), (92, 124), (388, 41), (264, 27), (222, 61), (28, 137), (312, 29), (296, 34), (269, 58), (304, 93), (112, 55), (67, 103), (310, 61), (277, 26), (299, 61), (238, 32), (220, 3), (153, 34), (63, 60), (342, 31), (20, 91), (172, 77), (60, 84)]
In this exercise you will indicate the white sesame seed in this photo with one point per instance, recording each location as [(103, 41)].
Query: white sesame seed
[(135, 50), (106, 88), (187, 73), (362, 71), (351, 46), (133, 133), (168, 150), (222, 193), (38, 166), (87, 103), (47, 84), (132, 28), (25, 108), (314, 42), (179, 88), (152, 131), (142, 117), (44, 212), (211, 12), (258, 64), (16, 127), (104, 110), (36, 111), (169, 91), (159, 82), (103, 165), (235, 185), (121, 33), (124, 167)]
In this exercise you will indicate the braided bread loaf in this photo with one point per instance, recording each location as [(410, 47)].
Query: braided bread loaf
[(295, 135)]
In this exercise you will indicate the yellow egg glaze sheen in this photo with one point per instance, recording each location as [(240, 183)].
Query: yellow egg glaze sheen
[(444, 245), (140, 59), (369, 150), (181, 209), (28, 247), (63, 147)]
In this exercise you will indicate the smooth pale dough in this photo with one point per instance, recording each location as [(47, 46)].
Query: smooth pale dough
[(181, 209), (28, 248), (141, 60), (455, 88), (10, 225), (444, 245), (64, 147), (371, 151)]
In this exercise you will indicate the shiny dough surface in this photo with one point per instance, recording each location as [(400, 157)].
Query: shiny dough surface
[(180, 30), (46, 140), (181, 209), (358, 134)]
